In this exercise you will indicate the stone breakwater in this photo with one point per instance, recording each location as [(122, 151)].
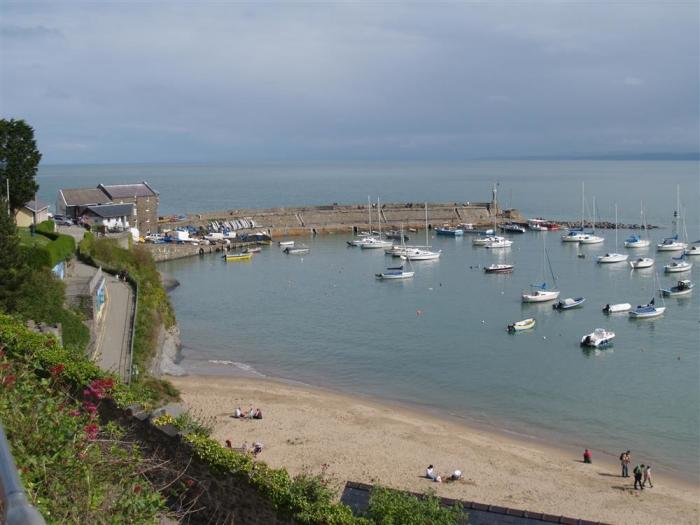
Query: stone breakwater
[(347, 218)]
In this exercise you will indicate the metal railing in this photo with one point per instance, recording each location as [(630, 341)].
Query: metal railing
[(16, 508), (130, 360)]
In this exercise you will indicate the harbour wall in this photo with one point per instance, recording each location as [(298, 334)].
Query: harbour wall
[(345, 218)]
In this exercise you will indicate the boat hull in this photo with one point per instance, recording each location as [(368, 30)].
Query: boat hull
[(540, 297), (677, 269), (657, 312), (642, 263), (617, 308), (610, 258)]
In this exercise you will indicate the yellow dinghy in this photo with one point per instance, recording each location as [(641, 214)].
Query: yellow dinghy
[(525, 324), (233, 257)]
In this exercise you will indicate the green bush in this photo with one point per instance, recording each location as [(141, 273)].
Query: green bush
[(393, 507), (61, 248), (74, 469), (47, 226)]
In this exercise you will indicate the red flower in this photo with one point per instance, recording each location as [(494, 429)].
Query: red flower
[(189, 482), (137, 489), (57, 370), (91, 430), (9, 380), (90, 407)]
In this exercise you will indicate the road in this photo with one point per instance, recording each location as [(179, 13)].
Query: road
[(113, 340)]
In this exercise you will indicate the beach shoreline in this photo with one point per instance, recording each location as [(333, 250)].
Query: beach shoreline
[(362, 439)]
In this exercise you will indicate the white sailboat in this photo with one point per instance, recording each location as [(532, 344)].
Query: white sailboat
[(575, 235), (613, 257), (649, 310), (375, 242), (642, 262), (591, 238), (635, 241), (677, 265), (540, 293), (397, 272), (673, 243), (422, 254)]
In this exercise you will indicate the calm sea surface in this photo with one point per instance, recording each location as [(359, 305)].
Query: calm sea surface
[(438, 341)]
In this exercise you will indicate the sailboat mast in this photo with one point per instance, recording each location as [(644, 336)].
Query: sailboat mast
[(379, 218), (426, 225), (616, 226), (583, 203), (369, 213)]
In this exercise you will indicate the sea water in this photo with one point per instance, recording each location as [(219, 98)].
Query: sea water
[(439, 340)]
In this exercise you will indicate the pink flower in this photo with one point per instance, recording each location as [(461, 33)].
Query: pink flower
[(90, 407), (91, 430)]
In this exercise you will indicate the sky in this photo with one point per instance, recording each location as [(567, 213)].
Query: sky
[(155, 81)]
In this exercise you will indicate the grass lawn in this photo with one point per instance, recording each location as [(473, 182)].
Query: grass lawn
[(26, 238)]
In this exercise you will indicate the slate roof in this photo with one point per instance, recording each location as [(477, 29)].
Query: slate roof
[(123, 191), (36, 205), (84, 196), (108, 211)]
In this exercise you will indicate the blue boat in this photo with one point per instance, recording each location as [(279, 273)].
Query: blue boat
[(569, 302), (449, 231)]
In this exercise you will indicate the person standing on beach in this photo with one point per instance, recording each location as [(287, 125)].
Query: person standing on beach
[(625, 461), (647, 477), (638, 471)]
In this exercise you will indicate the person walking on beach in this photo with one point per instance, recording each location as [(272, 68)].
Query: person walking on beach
[(647, 477), (638, 471), (625, 461)]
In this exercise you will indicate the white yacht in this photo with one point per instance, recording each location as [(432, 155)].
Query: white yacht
[(598, 338), (642, 262)]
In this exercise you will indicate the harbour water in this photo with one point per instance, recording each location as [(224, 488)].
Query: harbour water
[(438, 341)]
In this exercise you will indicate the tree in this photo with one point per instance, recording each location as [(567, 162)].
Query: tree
[(13, 270), (19, 159)]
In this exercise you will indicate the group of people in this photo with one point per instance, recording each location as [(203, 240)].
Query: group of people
[(256, 449), (642, 472), (250, 414), (434, 476)]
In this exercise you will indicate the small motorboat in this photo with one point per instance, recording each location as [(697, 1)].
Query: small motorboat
[(282, 244), (512, 228), (396, 272), (679, 264), (683, 287), (612, 258), (647, 311), (233, 257), (499, 268), (449, 231), (500, 243), (616, 308), (396, 235), (519, 326), (642, 262), (538, 225), (296, 250), (568, 303), (413, 254), (483, 240), (252, 249), (573, 236), (600, 337), (589, 238)]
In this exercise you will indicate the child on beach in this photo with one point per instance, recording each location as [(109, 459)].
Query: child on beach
[(647, 477), (238, 412), (587, 456)]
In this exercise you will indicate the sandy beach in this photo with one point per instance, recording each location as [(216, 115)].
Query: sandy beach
[(305, 428)]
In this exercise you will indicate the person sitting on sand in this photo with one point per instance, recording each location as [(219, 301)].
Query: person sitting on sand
[(258, 414), (429, 473), (257, 448), (587, 456), (238, 412), (251, 413)]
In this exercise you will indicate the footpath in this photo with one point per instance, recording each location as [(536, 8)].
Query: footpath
[(113, 341)]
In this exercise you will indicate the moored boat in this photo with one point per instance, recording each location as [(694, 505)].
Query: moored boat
[(500, 243), (519, 326), (616, 308), (677, 265), (635, 241), (283, 244), (568, 303), (512, 228), (693, 249), (449, 231), (396, 272), (499, 268), (539, 225), (647, 311), (296, 250), (539, 294), (642, 262), (671, 244), (612, 258), (233, 257), (600, 337), (683, 287)]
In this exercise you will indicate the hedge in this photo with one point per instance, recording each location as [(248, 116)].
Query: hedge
[(59, 249)]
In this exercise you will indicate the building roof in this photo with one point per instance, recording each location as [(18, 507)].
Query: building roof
[(84, 196), (108, 211), (36, 205), (123, 191)]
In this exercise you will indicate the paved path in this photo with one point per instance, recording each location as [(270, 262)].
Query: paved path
[(113, 340)]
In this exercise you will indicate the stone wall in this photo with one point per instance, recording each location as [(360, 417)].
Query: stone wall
[(210, 497)]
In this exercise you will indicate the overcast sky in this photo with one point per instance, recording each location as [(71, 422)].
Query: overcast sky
[(217, 82)]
